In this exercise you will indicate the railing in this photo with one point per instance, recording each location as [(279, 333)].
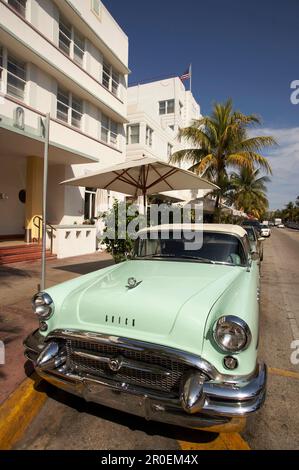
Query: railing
[(38, 223)]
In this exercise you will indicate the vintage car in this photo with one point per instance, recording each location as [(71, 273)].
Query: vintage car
[(170, 334), (255, 240), (265, 231)]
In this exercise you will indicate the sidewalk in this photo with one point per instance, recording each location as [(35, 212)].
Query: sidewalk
[(18, 283)]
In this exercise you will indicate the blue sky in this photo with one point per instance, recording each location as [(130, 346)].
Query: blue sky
[(248, 51)]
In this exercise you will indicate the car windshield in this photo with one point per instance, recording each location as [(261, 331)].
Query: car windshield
[(251, 233), (264, 226), (216, 248)]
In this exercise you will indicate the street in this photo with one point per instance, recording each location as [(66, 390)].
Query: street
[(67, 422)]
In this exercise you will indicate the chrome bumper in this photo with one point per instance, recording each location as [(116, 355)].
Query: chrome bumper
[(224, 402)]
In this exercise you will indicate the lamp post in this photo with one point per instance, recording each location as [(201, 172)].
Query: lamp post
[(45, 184)]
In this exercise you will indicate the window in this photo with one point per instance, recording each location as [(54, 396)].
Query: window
[(77, 111), (133, 134), (16, 77), (113, 133), (79, 47), (96, 7), (171, 127), (69, 108), (89, 203), (65, 36), (109, 131), (181, 108), (149, 136), (169, 150), (71, 42), (62, 105), (110, 78), (166, 107), (19, 6)]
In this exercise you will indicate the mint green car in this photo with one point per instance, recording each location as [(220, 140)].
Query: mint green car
[(170, 335)]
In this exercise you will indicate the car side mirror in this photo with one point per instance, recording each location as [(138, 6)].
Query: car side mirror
[(261, 239)]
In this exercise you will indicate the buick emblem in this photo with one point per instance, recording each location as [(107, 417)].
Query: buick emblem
[(132, 282), (115, 364)]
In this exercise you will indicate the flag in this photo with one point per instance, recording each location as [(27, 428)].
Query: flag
[(187, 74)]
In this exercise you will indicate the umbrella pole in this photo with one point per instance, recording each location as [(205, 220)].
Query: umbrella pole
[(144, 191), (144, 203)]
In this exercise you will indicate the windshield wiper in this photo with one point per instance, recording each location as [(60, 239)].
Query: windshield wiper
[(198, 258), (167, 255)]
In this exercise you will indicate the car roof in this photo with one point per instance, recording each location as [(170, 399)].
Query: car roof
[(221, 228)]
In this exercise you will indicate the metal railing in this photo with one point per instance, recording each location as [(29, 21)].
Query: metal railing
[(38, 223)]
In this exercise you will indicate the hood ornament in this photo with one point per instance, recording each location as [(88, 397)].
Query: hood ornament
[(132, 282), (115, 363)]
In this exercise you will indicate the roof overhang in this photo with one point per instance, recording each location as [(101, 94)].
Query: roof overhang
[(17, 143)]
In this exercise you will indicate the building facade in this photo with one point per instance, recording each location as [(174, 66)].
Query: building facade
[(156, 112), (68, 58)]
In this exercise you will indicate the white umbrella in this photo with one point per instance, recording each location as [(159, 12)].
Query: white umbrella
[(142, 176)]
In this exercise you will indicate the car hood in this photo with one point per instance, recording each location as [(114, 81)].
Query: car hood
[(170, 298)]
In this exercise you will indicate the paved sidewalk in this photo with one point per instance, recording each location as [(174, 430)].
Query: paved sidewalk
[(18, 283)]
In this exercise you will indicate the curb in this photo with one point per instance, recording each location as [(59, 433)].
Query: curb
[(18, 410)]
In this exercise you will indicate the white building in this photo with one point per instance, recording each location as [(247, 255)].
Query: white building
[(156, 112), (68, 58)]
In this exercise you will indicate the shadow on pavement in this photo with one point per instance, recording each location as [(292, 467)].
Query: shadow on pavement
[(85, 268), (134, 423), (9, 271)]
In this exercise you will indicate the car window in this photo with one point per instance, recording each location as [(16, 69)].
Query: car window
[(251, 234), (216, 247)]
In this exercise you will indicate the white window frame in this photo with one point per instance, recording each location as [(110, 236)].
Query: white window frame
[(71, 38), (7, 58), (5, 74), (70, 110), (149, 136), (111, 131), (23, 8), (166, 104), (112, 77), (129, 133), (96, 8), (92, 192)]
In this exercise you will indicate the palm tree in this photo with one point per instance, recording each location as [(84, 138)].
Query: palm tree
[(249, 191), (289, 211), (220, 142)]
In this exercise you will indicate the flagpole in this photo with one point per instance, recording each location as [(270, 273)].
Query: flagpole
[(190, 71)]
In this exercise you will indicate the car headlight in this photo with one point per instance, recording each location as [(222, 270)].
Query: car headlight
[(42, 305), (232, 334)]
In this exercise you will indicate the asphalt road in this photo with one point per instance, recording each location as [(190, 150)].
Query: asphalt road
[(66, 422)]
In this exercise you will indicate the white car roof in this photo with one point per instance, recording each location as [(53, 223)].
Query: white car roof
[(222, 228)]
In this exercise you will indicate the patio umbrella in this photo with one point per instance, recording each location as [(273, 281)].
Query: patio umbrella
[(142, 176)]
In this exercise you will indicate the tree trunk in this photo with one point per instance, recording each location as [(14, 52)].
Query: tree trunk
[(217, 210)]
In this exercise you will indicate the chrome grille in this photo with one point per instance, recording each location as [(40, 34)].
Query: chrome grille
[(157, 381)]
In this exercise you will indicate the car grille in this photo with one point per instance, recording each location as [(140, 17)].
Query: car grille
[(149, 380)]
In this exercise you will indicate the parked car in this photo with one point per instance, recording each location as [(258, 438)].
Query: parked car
[(252, 223), (170, 335), (255, 240), (280, 225), (265, 231)]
